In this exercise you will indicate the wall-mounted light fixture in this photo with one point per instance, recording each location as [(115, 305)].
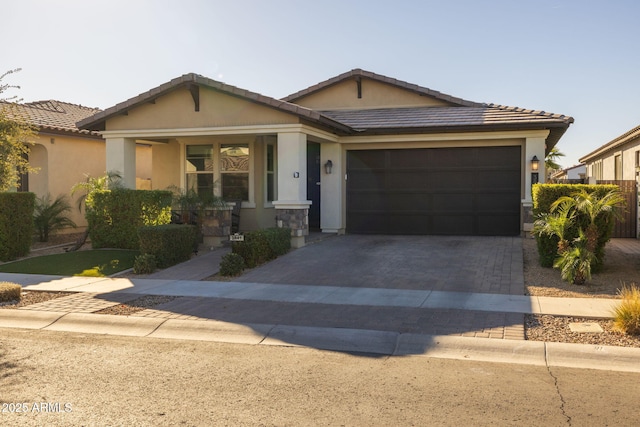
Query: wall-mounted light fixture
[(535, 163), (328, 166)]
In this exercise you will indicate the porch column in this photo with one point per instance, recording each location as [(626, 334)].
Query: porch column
[(535, 146), (332, 191), (292, 206), (121, 158)]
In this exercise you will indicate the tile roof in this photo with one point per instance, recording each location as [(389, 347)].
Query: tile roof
[(462, 115), (437, 117), (484, 117), (357, 72), (96, 122), (52, 115), (614, 143)]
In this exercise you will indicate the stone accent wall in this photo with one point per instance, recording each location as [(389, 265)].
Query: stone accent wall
[(295, 219)]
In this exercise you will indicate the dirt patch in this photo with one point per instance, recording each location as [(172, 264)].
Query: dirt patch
[(619, 268)]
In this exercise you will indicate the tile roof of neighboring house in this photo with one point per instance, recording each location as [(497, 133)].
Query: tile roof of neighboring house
[(357, 73), (615, 143), (96, 122), (51, 115)]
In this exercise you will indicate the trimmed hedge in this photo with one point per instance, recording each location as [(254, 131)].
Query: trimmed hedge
[(231, 264), (16, 224), (544, 195), (115, 216), (261, 246), (169, 244)]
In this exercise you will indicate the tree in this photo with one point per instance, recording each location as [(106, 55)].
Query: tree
[(551, 164), (15, 137)]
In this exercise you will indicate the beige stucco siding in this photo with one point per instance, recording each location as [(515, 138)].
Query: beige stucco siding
[(344, 95), (177, 110), (627, 152), (63, 162)]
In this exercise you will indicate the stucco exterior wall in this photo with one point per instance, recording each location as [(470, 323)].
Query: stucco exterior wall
[(627, 151), (64, 161), (176, 110), (344, 95)]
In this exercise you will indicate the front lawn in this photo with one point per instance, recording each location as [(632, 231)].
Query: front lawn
[(92, 263)]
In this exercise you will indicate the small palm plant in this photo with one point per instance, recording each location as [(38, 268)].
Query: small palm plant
[(575, 262), (576, 258), (50, 216), (592, 206)]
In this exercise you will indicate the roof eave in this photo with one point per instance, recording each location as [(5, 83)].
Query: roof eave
[(612, 145)]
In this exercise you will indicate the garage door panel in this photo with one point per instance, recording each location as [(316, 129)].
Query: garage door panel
[(464, 191), (461, 225)]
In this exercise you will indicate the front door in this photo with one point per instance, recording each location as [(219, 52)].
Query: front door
[(313, 184)]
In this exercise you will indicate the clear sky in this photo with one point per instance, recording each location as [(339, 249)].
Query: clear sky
[(573, 57)]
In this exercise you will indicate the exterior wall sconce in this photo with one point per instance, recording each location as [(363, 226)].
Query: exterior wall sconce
[(535, 163), (328, 166)]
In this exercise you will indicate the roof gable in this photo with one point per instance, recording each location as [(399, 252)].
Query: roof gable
[(360, 89), (193, 83)]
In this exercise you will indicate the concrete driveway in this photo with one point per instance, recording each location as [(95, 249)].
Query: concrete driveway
[(450, 263)]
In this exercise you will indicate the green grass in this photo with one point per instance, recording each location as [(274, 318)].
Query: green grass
[(93, 263)]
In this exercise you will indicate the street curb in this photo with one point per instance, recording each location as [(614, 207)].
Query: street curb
[(386, 343)]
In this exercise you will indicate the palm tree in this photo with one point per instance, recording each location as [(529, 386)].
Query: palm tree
[(49, 216), (575, 263), (551, 161), (592, 206), (558, 224)]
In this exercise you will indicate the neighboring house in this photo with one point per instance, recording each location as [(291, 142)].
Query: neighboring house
[(358, 153), (574, 172), (64, 154), (618, 159)]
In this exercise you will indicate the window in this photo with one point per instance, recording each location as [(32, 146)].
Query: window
[(637, 159), (234, 171), (618, 167), (270, 172), (200, 169)]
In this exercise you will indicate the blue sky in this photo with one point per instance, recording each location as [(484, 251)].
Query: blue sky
[(577, 58)]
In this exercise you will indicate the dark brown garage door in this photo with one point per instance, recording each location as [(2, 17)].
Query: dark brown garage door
[(449, 191)]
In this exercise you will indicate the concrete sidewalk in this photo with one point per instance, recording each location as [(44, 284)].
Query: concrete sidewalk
[(176, 319)]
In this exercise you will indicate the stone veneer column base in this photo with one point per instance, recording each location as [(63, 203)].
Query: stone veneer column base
[(527, 217), (294, 216)]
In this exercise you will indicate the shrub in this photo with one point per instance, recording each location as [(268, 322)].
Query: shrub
[(16, 224), (115, 215), (627, 314), (144, 264), (261, 246), (50, 216), (170, 244), (9, 291), (231, 264)]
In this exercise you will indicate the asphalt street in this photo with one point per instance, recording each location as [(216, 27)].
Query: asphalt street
[(63, 378)]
